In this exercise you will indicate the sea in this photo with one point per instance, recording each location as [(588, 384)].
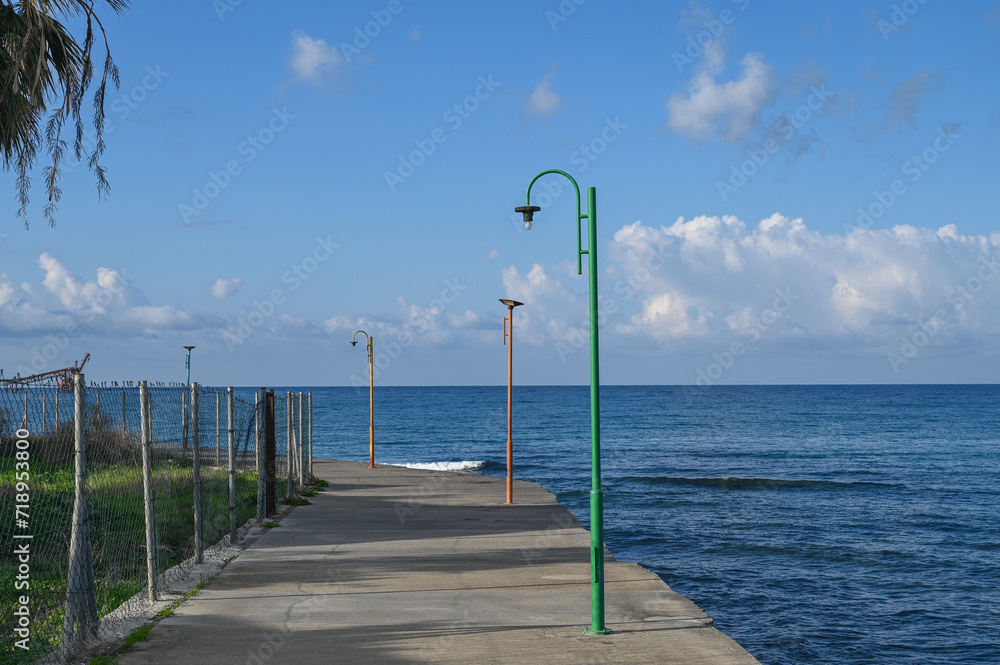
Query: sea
[(815, 524)]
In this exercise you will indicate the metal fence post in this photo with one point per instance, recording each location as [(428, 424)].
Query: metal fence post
[(81, 602), (260, 400), (184, 425), (218, 443), (256, 430), (310, 435), (300, 446), (289, 435), (233, 535), (147, 488), (199, 534), (270, 452)]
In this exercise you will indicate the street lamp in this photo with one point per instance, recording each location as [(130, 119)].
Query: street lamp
[(596, 495), (371, 395), (184, 403), (187, 364), (508, 339)]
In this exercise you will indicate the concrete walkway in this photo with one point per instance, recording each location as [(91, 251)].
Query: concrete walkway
[(394, 565)]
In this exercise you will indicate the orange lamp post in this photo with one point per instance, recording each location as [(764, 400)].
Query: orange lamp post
[(508, 339), (371, 394)]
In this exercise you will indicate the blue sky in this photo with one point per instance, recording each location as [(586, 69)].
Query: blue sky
[(787, 193)]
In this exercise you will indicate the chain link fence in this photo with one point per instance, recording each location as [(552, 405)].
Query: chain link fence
[(111, 494)]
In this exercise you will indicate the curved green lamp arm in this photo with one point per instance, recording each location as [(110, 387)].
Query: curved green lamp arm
[(580, 251)]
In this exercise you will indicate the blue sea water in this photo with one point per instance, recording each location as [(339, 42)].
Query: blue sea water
[(816, 524)]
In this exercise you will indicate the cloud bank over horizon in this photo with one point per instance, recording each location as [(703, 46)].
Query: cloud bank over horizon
[(693, 287)]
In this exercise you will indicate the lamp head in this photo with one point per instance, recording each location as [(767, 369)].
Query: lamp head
[(354, 343), (528, 212), (511, 303)]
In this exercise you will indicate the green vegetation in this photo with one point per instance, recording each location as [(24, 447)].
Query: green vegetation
[(298, 501), (269, 524), (194, 591), (117, 523), (140, 634)]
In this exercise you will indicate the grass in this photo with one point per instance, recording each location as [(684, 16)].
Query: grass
[(298, 501), (141, 634), (269, 524), (117, 523)]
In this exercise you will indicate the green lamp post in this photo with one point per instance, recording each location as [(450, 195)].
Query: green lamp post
[(596, 496)]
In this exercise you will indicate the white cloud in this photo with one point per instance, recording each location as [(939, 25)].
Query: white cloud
[(544, 100), (732, 106), (108, 291), (223, 288), (713, 275), (552, 310), (466, 320), (8, 290), (108, 305), (151, 318), (313, 60)]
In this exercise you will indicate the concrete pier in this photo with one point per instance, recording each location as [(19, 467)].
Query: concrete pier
[(394, 565)]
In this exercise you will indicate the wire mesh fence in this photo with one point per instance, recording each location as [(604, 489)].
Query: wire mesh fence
[(112, 493)]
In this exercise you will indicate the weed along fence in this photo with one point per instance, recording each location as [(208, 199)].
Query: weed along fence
[(110, 494)]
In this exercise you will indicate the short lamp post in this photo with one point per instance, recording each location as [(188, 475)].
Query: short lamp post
[(508, 339), (596, 493), (187, 364), (371, 395)]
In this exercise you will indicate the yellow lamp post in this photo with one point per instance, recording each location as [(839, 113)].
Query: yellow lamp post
[(508, 339), (371, 394)]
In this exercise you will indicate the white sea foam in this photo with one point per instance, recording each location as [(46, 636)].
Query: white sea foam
[(445, 466)]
